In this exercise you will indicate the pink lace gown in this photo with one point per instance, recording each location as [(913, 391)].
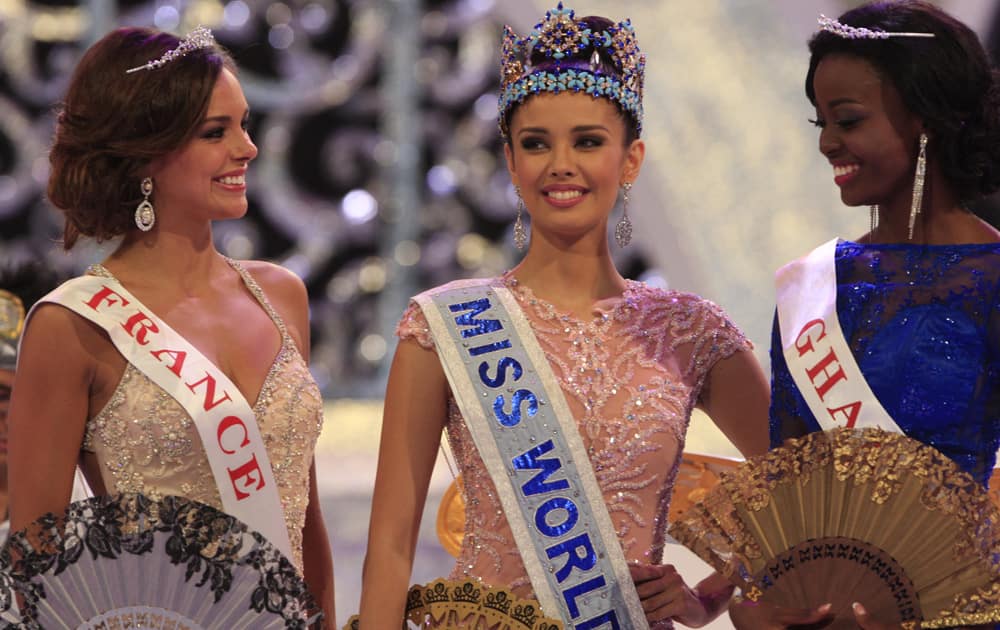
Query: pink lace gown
[(631, 376)]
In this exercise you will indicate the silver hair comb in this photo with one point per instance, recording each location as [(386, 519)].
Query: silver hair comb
[(200, 37)]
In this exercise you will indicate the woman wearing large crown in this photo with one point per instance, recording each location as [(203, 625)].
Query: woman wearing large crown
[(565, 389)]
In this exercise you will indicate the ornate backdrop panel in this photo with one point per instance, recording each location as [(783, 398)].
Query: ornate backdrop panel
[(380, 169)]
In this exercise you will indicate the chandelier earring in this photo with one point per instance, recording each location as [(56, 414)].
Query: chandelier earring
[(918, 183), (872, 219), (623, 229), (520, 232), (145, 216)]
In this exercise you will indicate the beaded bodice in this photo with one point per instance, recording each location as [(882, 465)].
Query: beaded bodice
[(631, 375), (923, 323), (146, 442)]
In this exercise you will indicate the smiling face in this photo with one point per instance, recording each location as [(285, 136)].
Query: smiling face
[(206, 178), (568, 156), (868, 135)]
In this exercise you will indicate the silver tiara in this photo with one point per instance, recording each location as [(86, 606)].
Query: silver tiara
[(831, 25), (200, 37)]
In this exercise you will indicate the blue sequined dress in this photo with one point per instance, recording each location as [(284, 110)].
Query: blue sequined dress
[(923, 322)]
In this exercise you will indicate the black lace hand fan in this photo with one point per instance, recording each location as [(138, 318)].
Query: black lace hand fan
[(855, 516), (128, 561)]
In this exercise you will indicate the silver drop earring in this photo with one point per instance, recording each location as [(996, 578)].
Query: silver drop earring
[(145, 216), (520, 232), (918, 183), (872, 220), (623, 229)]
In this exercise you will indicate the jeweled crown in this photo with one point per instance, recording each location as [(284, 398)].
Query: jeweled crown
[(847, 31), (200, 37), (558, 35)]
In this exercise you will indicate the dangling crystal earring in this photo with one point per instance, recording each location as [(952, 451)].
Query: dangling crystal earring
[(918, 183), (520, 233), (145, 216), (623, 229), (872, 219)]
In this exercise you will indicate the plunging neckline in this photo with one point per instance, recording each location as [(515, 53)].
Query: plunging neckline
[(251, 285)]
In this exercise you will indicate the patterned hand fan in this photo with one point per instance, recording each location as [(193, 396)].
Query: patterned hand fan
[(468, 605), (129, 561), (848, 516)]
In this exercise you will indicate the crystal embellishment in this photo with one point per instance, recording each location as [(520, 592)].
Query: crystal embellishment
[(200, 37)]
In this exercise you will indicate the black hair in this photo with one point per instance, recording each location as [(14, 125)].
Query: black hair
[(947, 80), (596, 24)]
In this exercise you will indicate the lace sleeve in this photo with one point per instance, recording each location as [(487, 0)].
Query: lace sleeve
[(714, 337), (413, 325), (696, 335), (789, 415)]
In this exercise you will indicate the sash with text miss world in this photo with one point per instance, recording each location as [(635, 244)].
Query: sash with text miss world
[(225, 421), (528, 440)]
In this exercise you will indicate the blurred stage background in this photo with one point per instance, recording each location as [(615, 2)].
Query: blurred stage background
[(380, 171)]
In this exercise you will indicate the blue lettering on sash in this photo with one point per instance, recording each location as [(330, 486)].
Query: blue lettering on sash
[(514, 417), (481, 326), (501, 377), (579, 552), (556, 503), (557, 516), (490, 347), (582, 588), (531, 459)]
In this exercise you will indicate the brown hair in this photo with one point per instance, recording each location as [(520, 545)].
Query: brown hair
[(112, 125)]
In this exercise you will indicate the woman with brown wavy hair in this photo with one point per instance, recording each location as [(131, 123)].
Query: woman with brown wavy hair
[(152, 146)]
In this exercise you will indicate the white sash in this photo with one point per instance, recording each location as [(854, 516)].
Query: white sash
[(225, 421), (534, 455), (818, 357)]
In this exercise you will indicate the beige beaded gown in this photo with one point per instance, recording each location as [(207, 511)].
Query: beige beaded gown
[(145, 442)]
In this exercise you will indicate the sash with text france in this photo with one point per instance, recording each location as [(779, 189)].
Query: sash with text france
[(225, 421), (528, 440)]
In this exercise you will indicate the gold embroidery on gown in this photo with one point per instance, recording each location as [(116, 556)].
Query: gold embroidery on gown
[(631, 375), (145, 441)]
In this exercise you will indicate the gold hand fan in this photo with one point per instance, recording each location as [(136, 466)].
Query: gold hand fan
[(855, 516), (468, 605), (696, 476), (128, 561), (451, 518)]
